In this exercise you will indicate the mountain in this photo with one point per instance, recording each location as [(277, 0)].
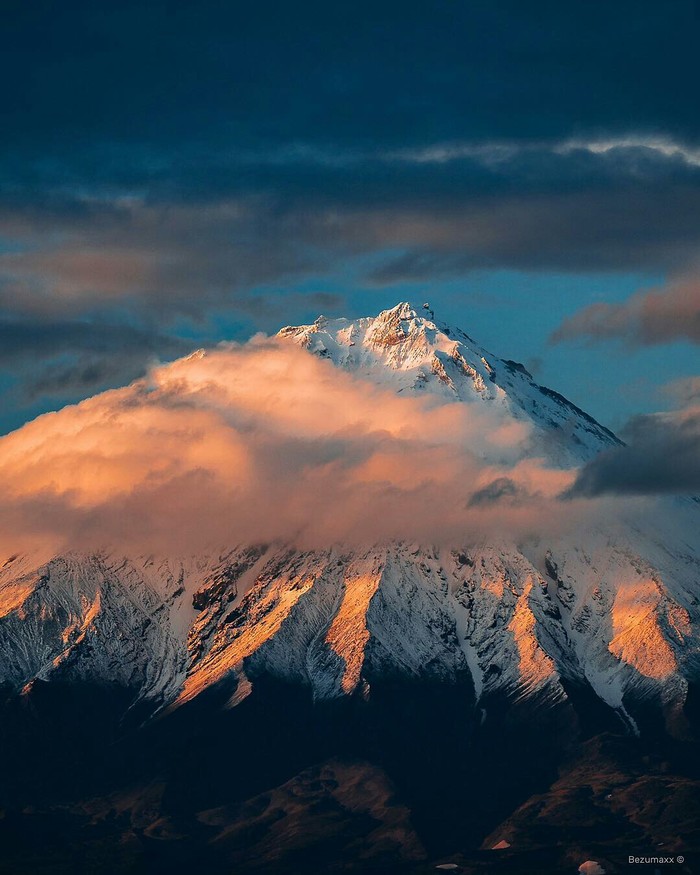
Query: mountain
[(533, 638), (613, 612), (414, 354)]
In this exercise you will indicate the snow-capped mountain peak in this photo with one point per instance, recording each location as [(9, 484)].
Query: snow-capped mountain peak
[(406, 348), (400, 338)]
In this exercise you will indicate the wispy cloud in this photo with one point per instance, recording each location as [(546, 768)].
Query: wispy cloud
[(665, 147)]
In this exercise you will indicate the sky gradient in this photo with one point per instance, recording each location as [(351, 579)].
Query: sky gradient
[(173, 175)]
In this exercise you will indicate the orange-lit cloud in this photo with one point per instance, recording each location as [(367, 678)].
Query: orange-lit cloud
[(264, 442)]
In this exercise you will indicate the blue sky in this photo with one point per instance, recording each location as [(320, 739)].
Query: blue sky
[(172, 175)]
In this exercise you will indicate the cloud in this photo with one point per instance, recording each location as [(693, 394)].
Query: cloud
[(55, 361), (297, 136), (651, 317), (502, 489), (685, 391), (661, 456), (36, 340), (175, 255), (272, 73), (165, 261), (666, 146), (265, 442)]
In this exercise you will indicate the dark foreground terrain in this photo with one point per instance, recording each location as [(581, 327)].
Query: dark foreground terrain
[(402, 783)]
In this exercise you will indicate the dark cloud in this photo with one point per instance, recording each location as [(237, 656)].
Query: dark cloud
[(502, 490), (84, 376), (160, 261), (661, 456), (187, 258), (173, 73), (60, 361), (47, 339), (181, 156), (652, 317)]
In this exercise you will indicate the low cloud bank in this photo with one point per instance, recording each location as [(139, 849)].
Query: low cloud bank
[(264, 442)]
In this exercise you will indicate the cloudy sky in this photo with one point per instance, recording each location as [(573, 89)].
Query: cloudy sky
[(173, 174)]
